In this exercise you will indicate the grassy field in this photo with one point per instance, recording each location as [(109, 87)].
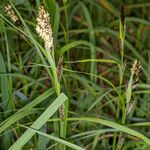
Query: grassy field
[(75, 74)]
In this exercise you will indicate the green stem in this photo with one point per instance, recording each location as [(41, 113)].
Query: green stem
[(12, 105), (54, 72), (121, 73)]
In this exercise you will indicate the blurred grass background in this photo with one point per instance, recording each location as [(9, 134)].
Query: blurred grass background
[(86, 33)]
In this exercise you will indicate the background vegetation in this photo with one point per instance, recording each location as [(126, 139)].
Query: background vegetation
[(97, 82)]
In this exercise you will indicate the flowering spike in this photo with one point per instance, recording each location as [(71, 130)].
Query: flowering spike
[(60, 68), (61, 111), (135, 70), (44, 29), (130, 105), (10, 12)]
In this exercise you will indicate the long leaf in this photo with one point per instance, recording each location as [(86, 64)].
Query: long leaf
[(114, 125), (55, 139), (39, 122)]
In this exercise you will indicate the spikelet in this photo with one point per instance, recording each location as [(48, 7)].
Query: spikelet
[(122, 15), (44, 29), (135, 70), (60, 68), (124, 66), (122, 31), (61, 111), (10, 12), (130, 105)]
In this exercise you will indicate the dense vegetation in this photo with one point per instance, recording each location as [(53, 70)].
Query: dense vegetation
[(77, 80)]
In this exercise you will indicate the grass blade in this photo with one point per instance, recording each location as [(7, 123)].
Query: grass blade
[(55, 139), (39, 122)]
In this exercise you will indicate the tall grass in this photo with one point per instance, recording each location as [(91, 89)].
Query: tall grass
[(97, 98)]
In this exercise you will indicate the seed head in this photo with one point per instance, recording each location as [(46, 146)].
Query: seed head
[(122, 14), (135, 70), (61, 111), (44, 29), (60, 68), (10, 12), (130, 105)]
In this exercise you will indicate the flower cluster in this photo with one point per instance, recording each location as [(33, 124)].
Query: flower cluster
[(10, 12), (44, 29), (135, 70)]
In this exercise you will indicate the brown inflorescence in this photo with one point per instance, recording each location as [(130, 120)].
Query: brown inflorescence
[(130, 105), (136, 68), (60, 68), (61, 111), (135, 71)]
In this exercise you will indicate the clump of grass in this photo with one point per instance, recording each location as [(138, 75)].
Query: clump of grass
[(74, 50)]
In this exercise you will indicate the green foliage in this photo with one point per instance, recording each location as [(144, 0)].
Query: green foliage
[(98, 48)]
